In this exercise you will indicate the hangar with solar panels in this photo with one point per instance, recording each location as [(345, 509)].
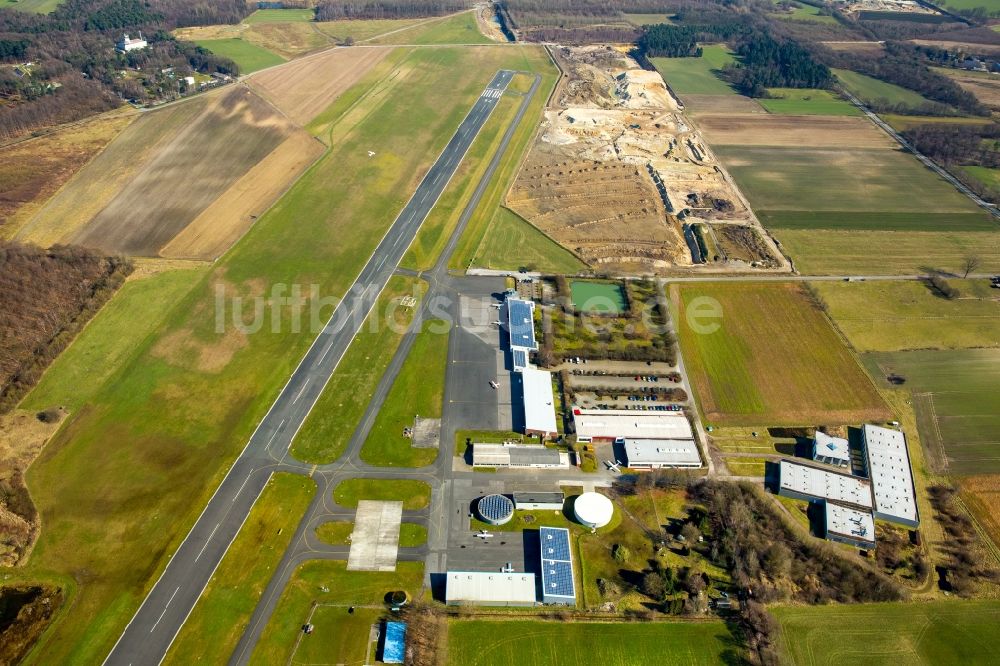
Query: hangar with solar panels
[(558, 586), (537, 398)]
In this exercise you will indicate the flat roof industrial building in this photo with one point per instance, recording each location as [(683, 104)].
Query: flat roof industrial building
[(488, 588), (539, 402), (659, 453), (518, 455), (538, 500), (813, 483), (888, 466), (612, 424), (558, 586), (850, 526)]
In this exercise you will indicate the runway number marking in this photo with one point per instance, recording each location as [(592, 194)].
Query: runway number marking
[(164, 609)]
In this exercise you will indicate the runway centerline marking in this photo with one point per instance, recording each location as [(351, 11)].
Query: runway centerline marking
[(207, 541), (241, 487), (164, 609)]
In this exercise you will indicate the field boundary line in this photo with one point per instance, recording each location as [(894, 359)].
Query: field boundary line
[(983, 534)]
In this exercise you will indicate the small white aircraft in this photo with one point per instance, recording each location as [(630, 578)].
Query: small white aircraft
[(494, 384), (496, 305), (484, 535), (371, 153), (613, 466)]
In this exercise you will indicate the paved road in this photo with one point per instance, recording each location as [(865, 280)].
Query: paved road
[(163, 612)]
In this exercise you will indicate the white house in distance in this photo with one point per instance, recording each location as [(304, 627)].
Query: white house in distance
[(125, 44)]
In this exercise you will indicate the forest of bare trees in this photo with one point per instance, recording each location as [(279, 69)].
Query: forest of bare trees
[(336, 10), (48, 295)]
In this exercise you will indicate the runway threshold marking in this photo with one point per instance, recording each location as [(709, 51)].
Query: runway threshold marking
[(165, 609)]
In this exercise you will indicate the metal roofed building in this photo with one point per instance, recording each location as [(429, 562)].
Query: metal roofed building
[(539, 402), (813, 484), (850, 526), (540, 500), (518, 455), (611, 424), (659, 453), (495, 509), (487, 588), (558, 586), (394, 643), (831, 450), (888, 464), (521, 323)]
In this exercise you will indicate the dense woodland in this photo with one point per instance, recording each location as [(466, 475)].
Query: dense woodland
[(669, 41), (48, 295), (77, 71), (336, 10), (769, 63)]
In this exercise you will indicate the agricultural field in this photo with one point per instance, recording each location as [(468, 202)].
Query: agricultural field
[(413, 494), (956, 394), (833, 252), (697, 76), (848, 181), (303, 89), (236, 130), (807, 102), (340, 589), (511, 243), (33, 6), (31, 171), (647, 19), (990, 177), (742, 130), (95, 185), (280, 16), (870, 90), (418, 391), (903, 123), (248, 56), (217, 621), (109, 469), (939, 632), (981, 494), (456, 29), (897, 316), (802, 12), (764, 354), (363, 30), (330, 425), (500, 642), (990, 5), (984, 85)]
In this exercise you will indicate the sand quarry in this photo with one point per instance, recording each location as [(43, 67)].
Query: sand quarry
[(619, 176)]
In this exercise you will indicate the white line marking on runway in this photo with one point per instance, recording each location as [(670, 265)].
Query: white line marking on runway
[(241, 487), (301, 390), (164, 610), (271, 440), (207, 541)]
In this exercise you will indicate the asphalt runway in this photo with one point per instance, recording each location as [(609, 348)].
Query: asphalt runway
[(153, 628)]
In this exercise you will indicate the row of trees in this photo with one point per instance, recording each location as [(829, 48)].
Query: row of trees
[(336, 10), (904, 65)]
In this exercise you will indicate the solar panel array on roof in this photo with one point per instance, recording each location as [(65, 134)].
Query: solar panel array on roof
[(557, 566), (520, 359), (520, 325), (496, 509), (555, 544)]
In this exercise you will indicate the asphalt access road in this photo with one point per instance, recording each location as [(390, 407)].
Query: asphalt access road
[(152, 629)]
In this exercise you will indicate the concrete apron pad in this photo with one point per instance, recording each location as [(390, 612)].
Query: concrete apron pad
[(375, 541)]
